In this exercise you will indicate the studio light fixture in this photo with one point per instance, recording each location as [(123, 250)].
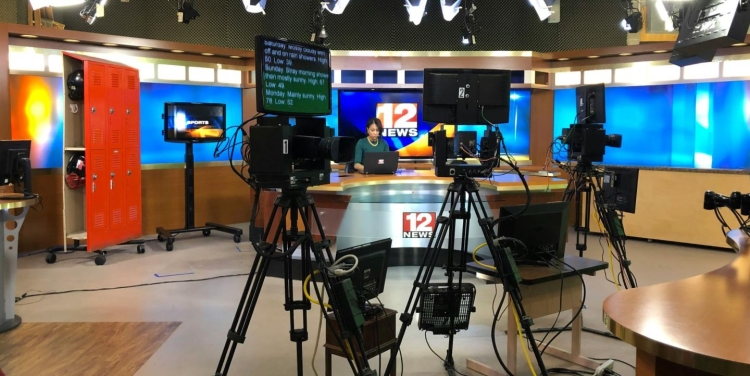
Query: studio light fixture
[(633, 21), (89, 12), (38, 4), (450, 8), (542, 8), (255, 6), (416, 10), (186, 11), (336, 6), (471, 27), (319, 34)]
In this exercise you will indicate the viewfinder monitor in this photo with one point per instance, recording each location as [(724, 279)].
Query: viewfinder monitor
[(590, 104), (292, 78), (620, 188), (466, 96), (369, 278), (541, 228), (194, 122)]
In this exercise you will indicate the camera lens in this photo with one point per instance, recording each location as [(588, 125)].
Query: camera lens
[(614, 140)]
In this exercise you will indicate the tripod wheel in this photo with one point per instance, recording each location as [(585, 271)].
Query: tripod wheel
[(160, 238), (140, 249), (51, 258), (100, 259), (170, 246), (237, 238), (206, 232)]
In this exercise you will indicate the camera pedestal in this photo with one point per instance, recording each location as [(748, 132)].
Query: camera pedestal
[(169, 235)]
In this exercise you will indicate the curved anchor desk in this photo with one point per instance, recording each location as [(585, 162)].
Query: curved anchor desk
[(11, 226), (695, 326)]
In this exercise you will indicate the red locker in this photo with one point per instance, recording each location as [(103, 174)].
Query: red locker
[(108, 132), (132, 112), (97, 199), (115, 107), (133, 191), (95, 100)]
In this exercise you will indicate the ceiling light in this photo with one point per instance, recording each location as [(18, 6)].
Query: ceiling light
[(234, 57), (542, 8), (739, 44), (110, 44), (632, 22), (626, 54), (660, 51), (28, 36), (71, 40), (470, 28), (338, 6), (178, 51), (186, 12), (145, 48), (593, 57), (89, 11), (563, 59), (450, 10), (38, 4), (207, 54), (416, 10), (255, 6), (319, 34)]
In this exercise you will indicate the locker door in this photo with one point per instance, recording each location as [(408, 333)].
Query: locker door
[(116, 184), (115, 107), (132, 110), (97, 195), (133, 194), (95, 102)]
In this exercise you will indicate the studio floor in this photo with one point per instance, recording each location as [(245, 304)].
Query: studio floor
[(106, 332)]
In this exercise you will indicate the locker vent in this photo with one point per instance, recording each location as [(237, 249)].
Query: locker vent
[(133, 160), (97, 137), (116, 161), (132, 136), (115, 80), (116, 217), (97, 164), (115, 134), (133, 212), (97, 79), (131, 82), (99, 220)]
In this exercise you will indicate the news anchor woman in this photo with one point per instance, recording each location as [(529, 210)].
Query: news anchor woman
[(372, 142)]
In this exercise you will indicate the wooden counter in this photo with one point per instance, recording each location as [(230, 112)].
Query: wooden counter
[(695, 326)]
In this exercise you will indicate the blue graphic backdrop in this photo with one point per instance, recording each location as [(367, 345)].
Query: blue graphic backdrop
[(153, 96), (704, 125)]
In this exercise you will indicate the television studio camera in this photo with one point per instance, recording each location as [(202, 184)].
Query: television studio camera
[(462, 97), (734, 202), (613, 190), (290, 152)]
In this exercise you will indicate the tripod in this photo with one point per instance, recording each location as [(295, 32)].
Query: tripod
[(296, 205), (463, 196)]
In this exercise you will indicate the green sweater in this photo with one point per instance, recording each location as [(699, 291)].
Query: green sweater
[(364, 146)]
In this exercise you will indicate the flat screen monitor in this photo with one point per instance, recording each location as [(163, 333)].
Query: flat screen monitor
[(590, 104), (542, 228), (15, 165), (620, 188), (466, 96), (369, 278), (292, 78), (194, 122)]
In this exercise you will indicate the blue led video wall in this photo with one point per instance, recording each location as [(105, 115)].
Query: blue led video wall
[(153, 96), (704, 125)]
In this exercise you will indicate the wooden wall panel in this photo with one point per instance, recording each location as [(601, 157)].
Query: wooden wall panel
[(220, 196), (541, 122), (43, 228)]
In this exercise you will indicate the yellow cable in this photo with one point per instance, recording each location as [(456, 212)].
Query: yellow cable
[(307, 293), (520, 336), (474, 256), (611, 265)]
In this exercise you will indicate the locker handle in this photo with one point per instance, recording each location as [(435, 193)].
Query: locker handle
[(129, 172), (93, 110), (127, 111), (94, 176), (93, 187), (111, 110), (111, 184)]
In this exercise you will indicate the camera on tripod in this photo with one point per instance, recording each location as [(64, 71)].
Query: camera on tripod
[(293, 149), (587, 138), (465, 97)]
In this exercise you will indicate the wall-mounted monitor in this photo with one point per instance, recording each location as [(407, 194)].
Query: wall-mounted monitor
[(292, 78), (194, 122)]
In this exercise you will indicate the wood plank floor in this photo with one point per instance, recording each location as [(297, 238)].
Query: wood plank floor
[(95, 348)]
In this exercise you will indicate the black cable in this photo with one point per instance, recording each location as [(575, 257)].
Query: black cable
[(439, 357), (583, 301), (492, 334), (616, 360), (27, 295), (394, 330)]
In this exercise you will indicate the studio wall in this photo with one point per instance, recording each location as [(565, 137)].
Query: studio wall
[(365, 25)]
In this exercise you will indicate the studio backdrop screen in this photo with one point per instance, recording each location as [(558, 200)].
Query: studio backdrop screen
[(405, 131), (704, 125)]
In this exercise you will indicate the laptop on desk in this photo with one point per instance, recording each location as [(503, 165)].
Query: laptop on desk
[(380, 162)]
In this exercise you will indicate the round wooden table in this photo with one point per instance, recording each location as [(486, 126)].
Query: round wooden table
[(695, 326), (11, 226)]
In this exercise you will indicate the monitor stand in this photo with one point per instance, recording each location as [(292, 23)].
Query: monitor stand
[(169, 235)]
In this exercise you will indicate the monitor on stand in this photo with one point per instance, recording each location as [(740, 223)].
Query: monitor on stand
[(620, 188), (15, 166), (369, 277), (541, 228)]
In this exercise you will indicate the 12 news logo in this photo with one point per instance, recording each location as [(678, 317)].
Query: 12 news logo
[(399, 119), (418, 225)]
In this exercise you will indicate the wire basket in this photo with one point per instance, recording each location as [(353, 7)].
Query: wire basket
[(436, 310)]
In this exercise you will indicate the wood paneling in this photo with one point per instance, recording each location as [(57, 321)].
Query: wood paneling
[(220, 196), (4, 84), (43, 226), (542, 114), (112, 348)]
